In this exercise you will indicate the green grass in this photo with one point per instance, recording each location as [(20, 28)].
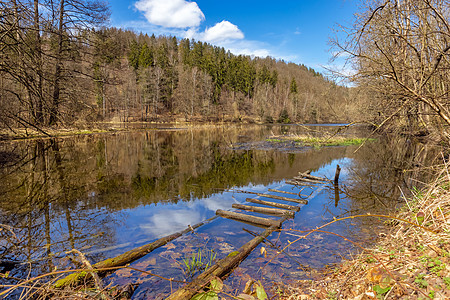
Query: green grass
[(308, 141)]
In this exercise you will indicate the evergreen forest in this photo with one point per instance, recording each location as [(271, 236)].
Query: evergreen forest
[(60, 66)]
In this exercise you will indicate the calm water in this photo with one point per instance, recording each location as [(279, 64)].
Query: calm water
[(106, 194)]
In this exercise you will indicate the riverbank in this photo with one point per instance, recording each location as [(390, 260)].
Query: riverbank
[(411, 261), (112, 127)]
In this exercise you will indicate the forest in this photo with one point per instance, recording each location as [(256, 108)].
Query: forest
[(61, 66)]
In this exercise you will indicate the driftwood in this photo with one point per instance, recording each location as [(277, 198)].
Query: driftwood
[(273, 204), (126, 257), (247, 218), (307, 184), (223, 267), (265, 210), (283, 192), (299, 178), (265, 195), (300, 201), (312, 177)]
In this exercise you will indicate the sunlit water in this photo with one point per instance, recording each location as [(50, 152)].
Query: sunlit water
[(107, 194)]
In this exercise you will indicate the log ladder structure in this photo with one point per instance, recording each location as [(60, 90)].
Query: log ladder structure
[(285, 211), (226, 265)]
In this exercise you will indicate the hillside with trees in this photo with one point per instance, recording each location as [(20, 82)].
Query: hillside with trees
[(58, 66)]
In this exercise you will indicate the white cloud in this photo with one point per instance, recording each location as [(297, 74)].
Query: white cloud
[(221, 32), (171, 13), (182, 18)]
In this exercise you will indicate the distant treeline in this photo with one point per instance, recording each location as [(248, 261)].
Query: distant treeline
[(150, 78), (57, 69)]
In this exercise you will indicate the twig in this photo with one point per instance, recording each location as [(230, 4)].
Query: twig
[(97, 280)]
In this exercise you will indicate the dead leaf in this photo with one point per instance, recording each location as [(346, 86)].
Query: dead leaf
[(170, 246), (263, 251), (245, 297)]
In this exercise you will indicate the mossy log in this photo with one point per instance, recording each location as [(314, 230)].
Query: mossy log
[(265, 210), (247, 218), (127, 257), (273, 204), (223, 267)]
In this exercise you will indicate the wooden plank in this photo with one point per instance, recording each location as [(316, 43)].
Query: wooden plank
[(312, 177), (273, 204), (299, 178), (223, 267), (247, 218), (294, 182), (283, 192), (265, 210), (300, 201)]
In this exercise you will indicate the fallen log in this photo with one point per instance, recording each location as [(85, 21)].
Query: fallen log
[(223, 267), (295, 182), (273, 204), (259, 194), (265, 210), (249, 219), (282, 192), (300, 201), (312, 177), (276, 197), (299, 178), (127, 257)]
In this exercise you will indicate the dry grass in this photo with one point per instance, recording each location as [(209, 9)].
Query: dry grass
[(410, 262)]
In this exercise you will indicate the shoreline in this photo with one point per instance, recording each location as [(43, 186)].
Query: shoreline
[(15, 134), (411, 261)]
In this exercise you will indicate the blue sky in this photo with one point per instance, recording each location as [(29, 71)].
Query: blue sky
[(294, 30)]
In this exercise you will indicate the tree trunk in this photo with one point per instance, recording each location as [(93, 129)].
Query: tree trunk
[(54, 108), (38, 114)]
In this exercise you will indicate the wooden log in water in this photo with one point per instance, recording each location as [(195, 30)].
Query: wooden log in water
[(276, 197), (265, 210), (298, 183), (273, 204), (300, 201), (222, 268), (127, 257), (299, 178), (282, 192), (312, 177), (249, 219)]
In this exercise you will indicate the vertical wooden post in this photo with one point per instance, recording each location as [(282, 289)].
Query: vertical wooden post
[(336, 176)]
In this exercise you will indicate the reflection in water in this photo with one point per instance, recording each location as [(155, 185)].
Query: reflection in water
[(59, 194), (381, 172), (131, 188)]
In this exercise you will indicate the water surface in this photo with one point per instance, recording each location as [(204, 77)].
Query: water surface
[(108, 193)]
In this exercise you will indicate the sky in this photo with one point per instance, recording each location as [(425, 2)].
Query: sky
[(292, 30)]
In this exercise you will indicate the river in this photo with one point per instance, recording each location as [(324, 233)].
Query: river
[(105, 194)]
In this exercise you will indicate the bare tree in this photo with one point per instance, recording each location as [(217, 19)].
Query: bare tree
[(401, 50)]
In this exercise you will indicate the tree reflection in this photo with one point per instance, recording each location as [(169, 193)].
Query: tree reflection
[(45, 210), (380, 172), (60, 194)]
